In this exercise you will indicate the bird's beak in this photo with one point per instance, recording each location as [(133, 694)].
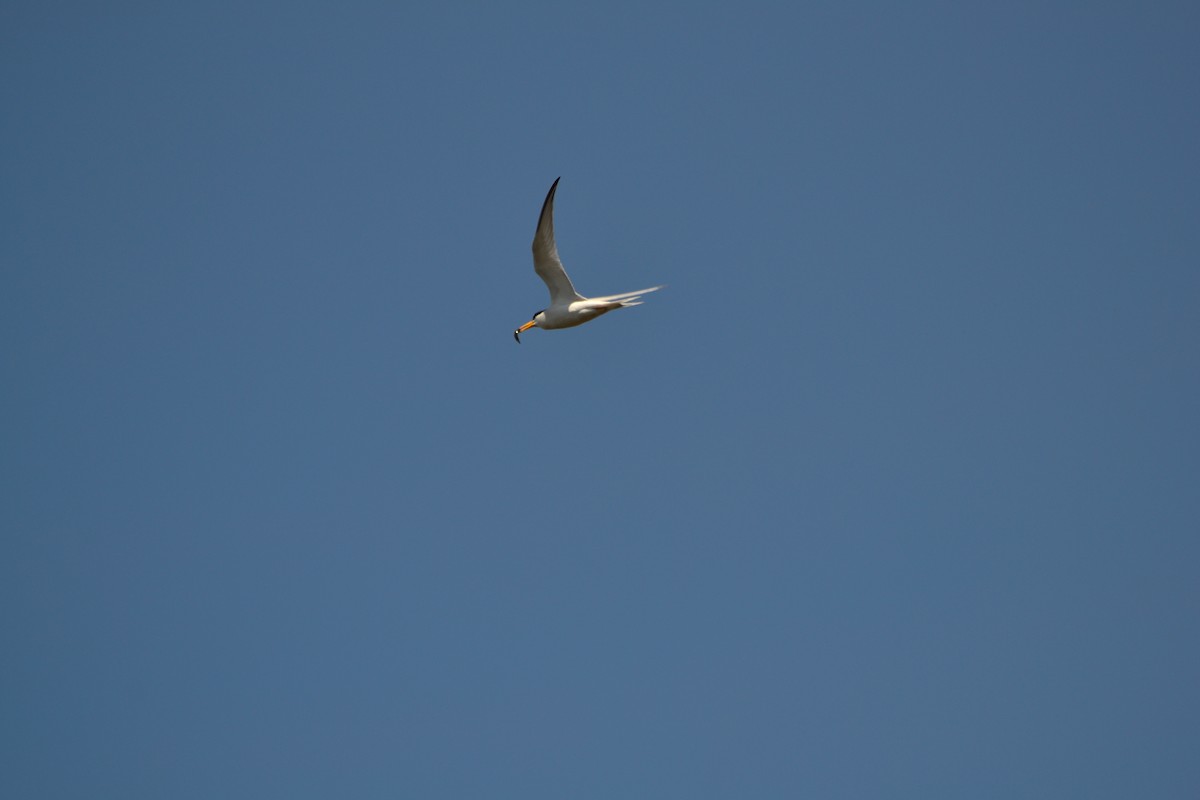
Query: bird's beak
[(517, 333)]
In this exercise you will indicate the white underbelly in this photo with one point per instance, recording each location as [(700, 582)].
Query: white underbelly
[(565, 318)]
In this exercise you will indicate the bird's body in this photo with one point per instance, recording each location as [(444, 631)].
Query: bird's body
[(567, 307)]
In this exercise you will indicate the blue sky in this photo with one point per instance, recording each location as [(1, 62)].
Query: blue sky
[(891, 493)]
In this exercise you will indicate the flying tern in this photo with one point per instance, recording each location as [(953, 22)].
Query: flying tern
[(567, 307)]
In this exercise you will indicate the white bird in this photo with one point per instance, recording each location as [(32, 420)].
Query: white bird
[(567, 307)]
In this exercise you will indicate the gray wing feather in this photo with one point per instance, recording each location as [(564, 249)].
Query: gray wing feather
[(546, 262)]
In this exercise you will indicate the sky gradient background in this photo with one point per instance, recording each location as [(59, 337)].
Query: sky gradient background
[(893, 492)]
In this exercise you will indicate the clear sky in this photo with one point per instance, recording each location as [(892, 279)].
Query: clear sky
[(894, 491)]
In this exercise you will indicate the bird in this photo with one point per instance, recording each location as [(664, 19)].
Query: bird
[(567, 307)]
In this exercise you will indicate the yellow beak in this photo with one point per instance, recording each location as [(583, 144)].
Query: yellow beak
[(517, 333)]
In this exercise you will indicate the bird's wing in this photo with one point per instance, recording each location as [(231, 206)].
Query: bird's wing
[(545, 255), (625, 298)]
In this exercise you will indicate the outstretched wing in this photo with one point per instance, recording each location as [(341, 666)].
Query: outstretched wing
[(545, 255), (625, 298)]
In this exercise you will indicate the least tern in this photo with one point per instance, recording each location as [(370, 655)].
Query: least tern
[(567, 307)]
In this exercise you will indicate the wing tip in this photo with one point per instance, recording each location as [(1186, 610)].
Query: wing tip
[(548, 203)]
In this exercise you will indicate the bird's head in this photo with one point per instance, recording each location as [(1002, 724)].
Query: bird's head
[(537, 317)]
